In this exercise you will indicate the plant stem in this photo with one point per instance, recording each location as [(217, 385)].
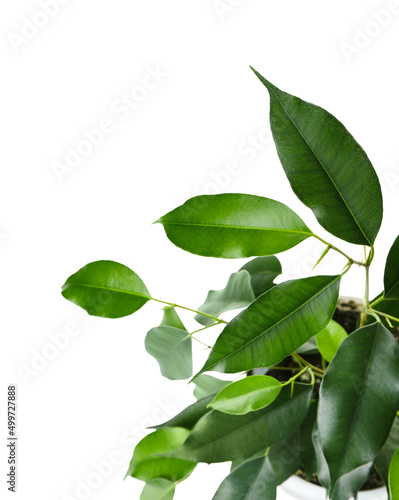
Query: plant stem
[(377, 301), (379, 313), (304, 362), (339, 251), (291, 380), (218, 320), (200, 330)]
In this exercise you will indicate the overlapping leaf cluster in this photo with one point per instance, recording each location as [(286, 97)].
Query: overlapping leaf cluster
[(268, 427)]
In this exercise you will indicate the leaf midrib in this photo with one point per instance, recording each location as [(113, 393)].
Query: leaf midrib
[(111, 289), (321, 164), (228, 226), (274, 325)]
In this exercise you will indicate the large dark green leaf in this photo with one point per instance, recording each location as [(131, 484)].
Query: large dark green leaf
[(253, 480), (107, 289), (391, 276), (358, 399), (190, 415), (307, 454), (158, 489), (237, 293), (205, 385), (381, 463), (347, 485), (263, 271), (220, 437), (146, 463), (233, 226), (275, 324), (327, 169)]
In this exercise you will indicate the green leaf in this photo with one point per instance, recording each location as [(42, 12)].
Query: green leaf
[(347, 485), (329, 340), (237, 293), (359, 389), (391, 275), (384, 458), (234, 226), (393, 478), (327, 169), (275, 324), (309, 347), (172, 348), (171, 318), (307, 454), (249, 394), (158, 489), (190, 415), (263, 271), (220, 437), (205, 385), (146, 463), (107, 289), (253, 480)]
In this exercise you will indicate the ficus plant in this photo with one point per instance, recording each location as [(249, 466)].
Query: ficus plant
[(269, 427)]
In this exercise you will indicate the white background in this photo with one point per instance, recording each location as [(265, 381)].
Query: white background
[(90, 402)]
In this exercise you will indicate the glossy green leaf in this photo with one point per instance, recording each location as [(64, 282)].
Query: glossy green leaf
[(275, 324), (358, 399), (107, 289), (263, 272), (347, 485), (253, 480), (205, 385), (237, 293), (220, 437), (384, 458), (172, 348), (233, 226), (329, 340), (249, 394), (158, 489), (190, 415), (393, 477), (146, 463), (391, 275), (327, 169)]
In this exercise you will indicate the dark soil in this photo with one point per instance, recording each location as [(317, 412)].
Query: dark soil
[(346, 314)]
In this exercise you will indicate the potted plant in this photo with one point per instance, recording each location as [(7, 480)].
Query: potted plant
[(313, 399)]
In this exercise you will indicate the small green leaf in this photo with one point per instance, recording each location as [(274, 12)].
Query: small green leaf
[(327, 169), (107, 289), (391, 275), (253, 480), (146, 463), (393, 477), (190, 415), (359, 389), (263, 271), (172, 348), (237, 293), (384, 458), (249, 394), (234, 226), (275, 325), (171, 318), (158, 489), (329, 340), (205, 385), (220, 437)]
